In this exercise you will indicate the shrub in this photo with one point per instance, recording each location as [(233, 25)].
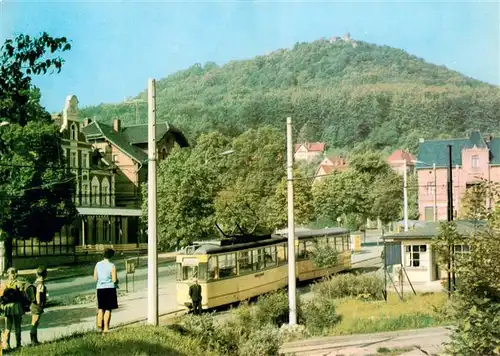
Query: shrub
[(273, 309), (320, 315), (263, 341), (364, 286), (324, 255), (241, 334)]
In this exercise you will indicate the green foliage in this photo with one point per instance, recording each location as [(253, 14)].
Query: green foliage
[(387, 197), (363, 286), (35, 184), (368, 189), (244, 333), (412, 183), (302, 199), (254, 171), (335, 93), (473, 204), (188, 183), (324, 255), (475, 311), (273, 308), (320, 315)]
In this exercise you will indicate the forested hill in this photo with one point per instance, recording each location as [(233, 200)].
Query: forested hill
[(340, 92)]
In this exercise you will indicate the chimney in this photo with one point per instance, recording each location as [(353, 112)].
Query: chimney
[(86, 122), (117, 125), (421, 140)]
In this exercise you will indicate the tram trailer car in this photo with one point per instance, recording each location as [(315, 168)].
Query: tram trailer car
[(231, 272)]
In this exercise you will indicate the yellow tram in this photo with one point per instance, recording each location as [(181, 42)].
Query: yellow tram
[(231, 272)]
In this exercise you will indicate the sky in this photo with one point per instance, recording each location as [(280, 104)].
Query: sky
[(118, 45)]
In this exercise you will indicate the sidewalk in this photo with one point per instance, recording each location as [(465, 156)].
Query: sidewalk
[(72, 271), (429, 340)]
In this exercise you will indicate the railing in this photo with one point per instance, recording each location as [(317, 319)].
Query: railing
[(99, 248)]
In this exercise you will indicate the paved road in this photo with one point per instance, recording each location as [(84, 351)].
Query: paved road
[(423, 341)]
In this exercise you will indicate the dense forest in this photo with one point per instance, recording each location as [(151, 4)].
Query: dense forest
[(345, 93)]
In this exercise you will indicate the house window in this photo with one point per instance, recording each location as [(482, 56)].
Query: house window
[(430, 188), (163, 153), (85, 193), (475, 161), (416, 256), (84, 160), (462, 249), (73, 160), (95, 191), (73, 132), (105, 191), (115, 158)]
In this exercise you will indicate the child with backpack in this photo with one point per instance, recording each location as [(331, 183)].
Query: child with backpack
[(12, 307), (38, 301)]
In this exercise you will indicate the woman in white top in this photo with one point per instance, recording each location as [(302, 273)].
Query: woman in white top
[(107, 300)]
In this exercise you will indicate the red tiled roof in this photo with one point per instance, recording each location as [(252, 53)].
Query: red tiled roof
[(312, 146), (401, 155)]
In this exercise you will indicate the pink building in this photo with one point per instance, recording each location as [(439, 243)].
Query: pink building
[(473, 158)]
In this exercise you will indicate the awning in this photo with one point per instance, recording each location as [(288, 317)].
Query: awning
[(109, 211)]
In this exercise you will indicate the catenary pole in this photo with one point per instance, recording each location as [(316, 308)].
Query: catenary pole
[(292, 294), (405, 195), (152, 238)]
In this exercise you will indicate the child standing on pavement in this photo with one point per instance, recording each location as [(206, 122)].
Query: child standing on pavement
[(38, 304), (12, 308)]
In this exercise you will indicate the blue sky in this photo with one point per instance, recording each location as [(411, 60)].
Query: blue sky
[(117, 45)]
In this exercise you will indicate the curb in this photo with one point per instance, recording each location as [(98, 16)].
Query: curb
[(142, 320)]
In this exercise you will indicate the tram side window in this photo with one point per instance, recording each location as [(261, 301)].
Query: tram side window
[(339, 243), (258, 259), (245, 262), (332, 242), (282, 251), (213, 270), (227, 265), (301, 250), (270, 256), (310, 247)]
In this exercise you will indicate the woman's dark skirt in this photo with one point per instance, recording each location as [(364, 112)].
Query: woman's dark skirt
[(107, 299)]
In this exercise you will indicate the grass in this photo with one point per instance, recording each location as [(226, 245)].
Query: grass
[(131, 341), (415, 312)]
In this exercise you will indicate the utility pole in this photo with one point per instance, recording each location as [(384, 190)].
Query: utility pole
[(405, 195), (292, 294), (152, 240), (435, 193), (450, 212)]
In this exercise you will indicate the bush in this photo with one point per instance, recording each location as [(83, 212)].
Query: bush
[(320, 315), (244, 333), (273, 309), (263, 341), (364, 286)]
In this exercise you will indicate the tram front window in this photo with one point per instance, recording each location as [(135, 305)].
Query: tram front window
[(186, 273)]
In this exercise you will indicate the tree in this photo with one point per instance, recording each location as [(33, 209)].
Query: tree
[(475, 308), (387, 197), (346, 195), (35, 183), (473, 203), (302, 199), (188, 182), (412, 183), (254, 170)]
